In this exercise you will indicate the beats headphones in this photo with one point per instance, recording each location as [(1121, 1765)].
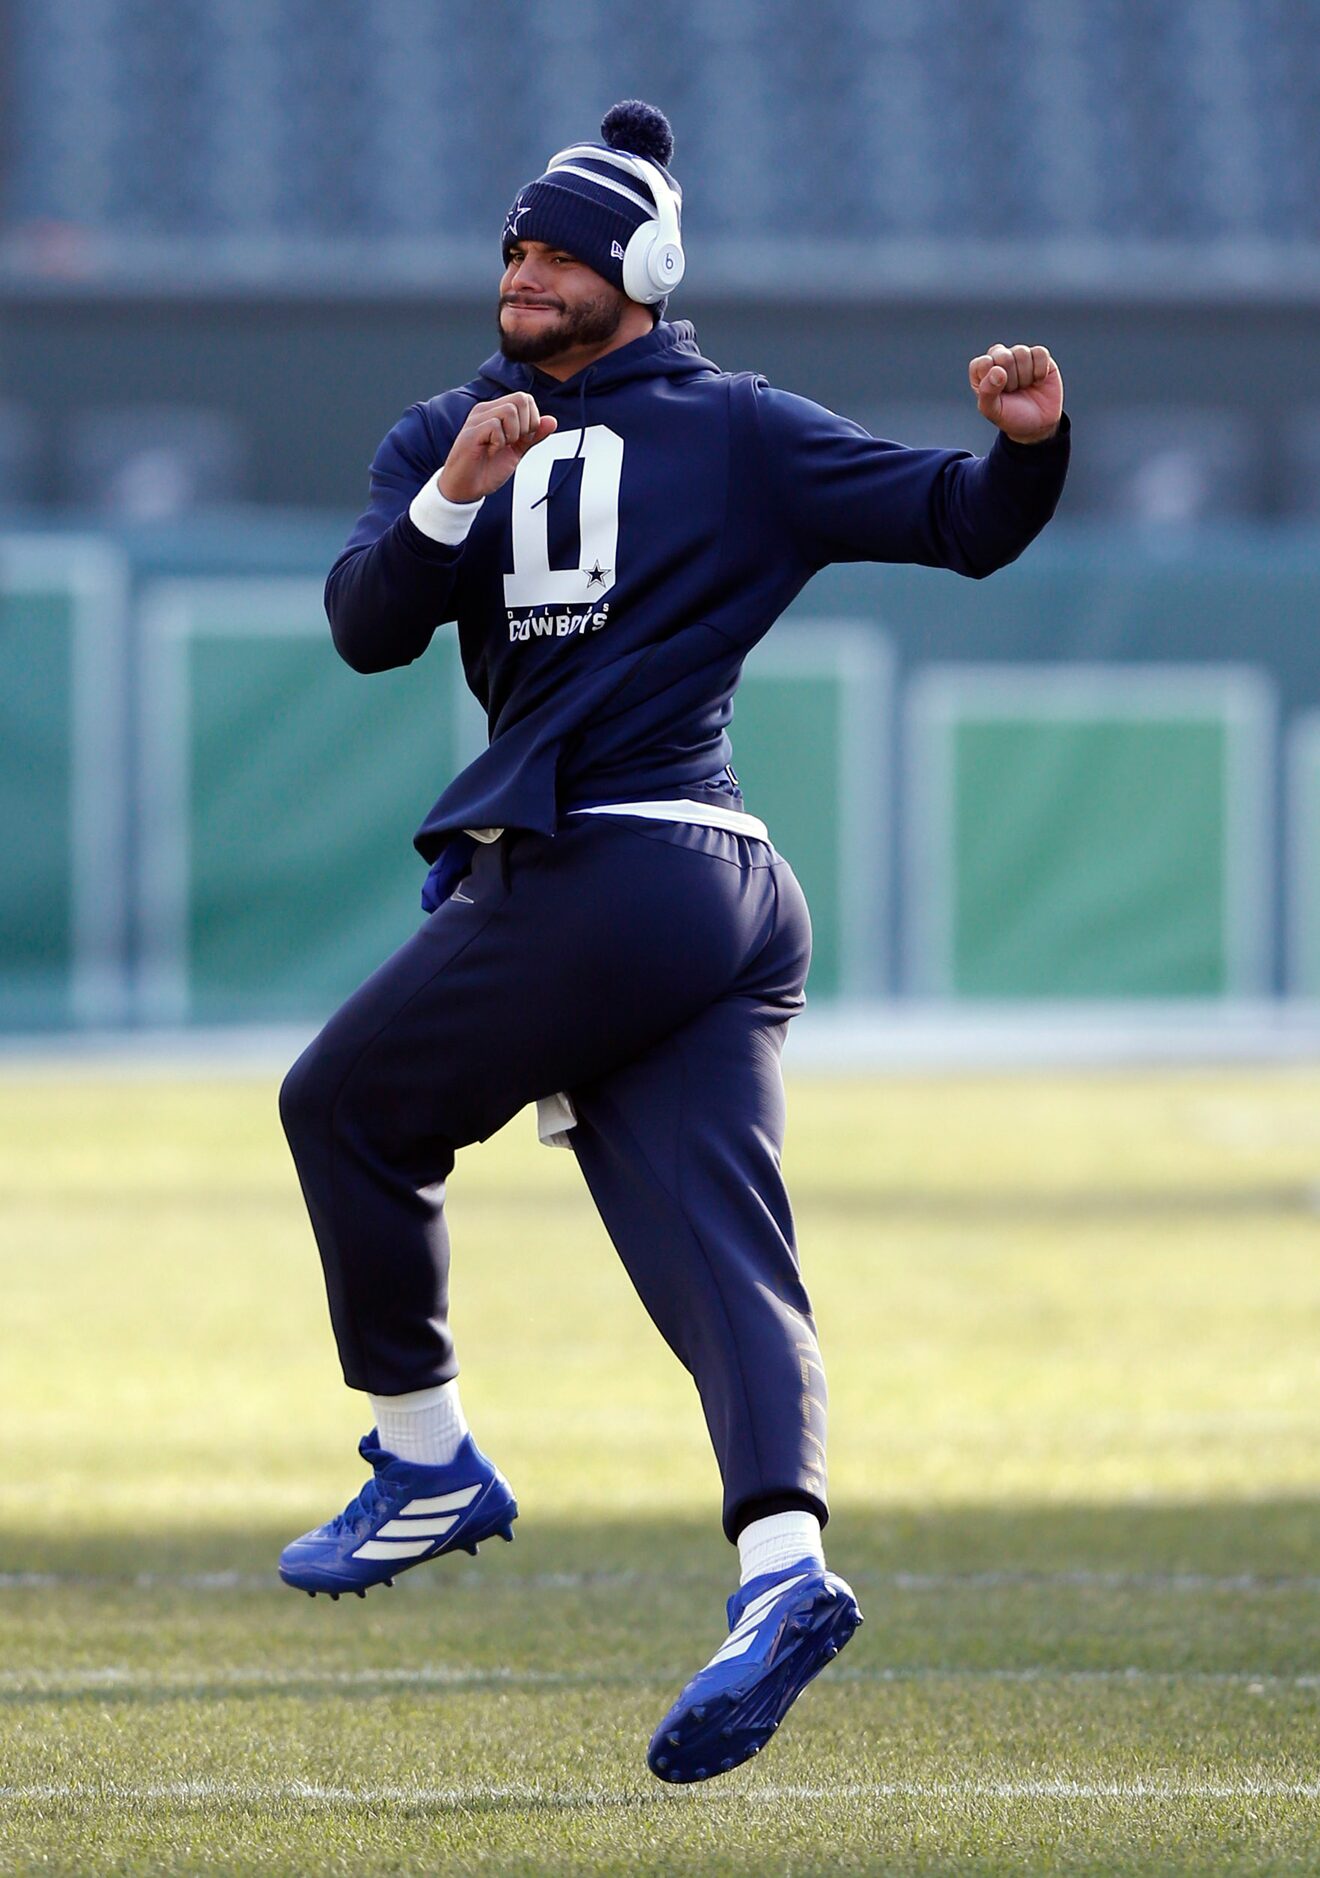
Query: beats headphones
[(653, 261)]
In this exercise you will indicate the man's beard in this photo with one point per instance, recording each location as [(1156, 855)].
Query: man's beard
[(589, 323)]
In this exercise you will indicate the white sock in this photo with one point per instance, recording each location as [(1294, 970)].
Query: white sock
[(768, 1545), (426, 1426)]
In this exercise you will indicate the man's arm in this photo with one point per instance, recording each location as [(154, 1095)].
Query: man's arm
[(393, 585), (848, 496), (397, 578)]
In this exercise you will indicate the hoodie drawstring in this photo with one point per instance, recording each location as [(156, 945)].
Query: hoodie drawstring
[(582, 428), (582, 412)]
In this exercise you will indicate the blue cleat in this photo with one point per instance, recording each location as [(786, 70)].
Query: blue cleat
[(784, 1627), (404, 1515)]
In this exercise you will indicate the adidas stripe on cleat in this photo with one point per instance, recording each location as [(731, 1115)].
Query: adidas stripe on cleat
[(784, 1627), (404, 1515)]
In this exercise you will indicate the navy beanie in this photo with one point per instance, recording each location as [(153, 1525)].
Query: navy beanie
[(590, 220)]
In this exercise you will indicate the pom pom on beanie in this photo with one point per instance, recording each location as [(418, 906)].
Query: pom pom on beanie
[(640, 129)]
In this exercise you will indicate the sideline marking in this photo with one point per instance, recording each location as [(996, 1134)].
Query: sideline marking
[(622, 1580), (202, 1792), (37, 1682)]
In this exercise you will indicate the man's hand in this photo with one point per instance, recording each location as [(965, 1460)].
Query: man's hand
[(488, 449), (1019, 389)]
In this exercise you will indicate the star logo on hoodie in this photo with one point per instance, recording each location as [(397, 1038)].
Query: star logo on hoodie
[(595, 574)]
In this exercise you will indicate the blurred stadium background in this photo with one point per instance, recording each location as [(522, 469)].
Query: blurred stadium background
[(238, 237), (1067, 814)]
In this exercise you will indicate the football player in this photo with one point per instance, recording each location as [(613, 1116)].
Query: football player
[(613, 523)]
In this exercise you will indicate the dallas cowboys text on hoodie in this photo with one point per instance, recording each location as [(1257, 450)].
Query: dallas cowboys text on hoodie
[(607, 595)]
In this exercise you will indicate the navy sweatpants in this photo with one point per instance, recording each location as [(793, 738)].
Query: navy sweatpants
[(650, 969)]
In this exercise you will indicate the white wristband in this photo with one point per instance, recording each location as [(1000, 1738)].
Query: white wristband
[(439, 518)]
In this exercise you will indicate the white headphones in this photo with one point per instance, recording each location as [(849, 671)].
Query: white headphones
[(653, 261)]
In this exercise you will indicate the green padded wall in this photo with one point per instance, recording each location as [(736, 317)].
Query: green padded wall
[(279, 793), (62, 784), (812, 736), (1089, 833), (796, 799), (1303, 877), (36, 858), (305, 787)]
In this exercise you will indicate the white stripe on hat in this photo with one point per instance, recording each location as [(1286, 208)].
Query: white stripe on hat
[(606, 182), (606, 153)]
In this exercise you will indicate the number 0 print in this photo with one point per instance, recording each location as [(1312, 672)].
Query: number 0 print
[(533, 581)]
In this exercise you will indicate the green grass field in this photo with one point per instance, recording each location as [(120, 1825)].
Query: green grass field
[(1072, 1327)]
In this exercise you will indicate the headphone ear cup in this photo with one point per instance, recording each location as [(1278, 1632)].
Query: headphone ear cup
[(638, 283)]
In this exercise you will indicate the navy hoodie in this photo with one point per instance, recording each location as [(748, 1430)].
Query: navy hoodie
[(607, 595)]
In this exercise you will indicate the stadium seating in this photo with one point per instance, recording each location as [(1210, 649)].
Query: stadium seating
[(1194, 121)]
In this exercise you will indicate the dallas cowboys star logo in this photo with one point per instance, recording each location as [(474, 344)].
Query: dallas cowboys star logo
[(516, 213), (594, 574)]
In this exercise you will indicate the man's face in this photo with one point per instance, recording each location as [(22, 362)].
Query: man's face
[(551, 303)]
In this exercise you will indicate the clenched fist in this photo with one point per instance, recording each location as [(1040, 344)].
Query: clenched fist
[(1019, 389), (488, 449)]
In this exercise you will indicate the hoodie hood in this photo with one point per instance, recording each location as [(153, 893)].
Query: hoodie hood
[(669, 350)]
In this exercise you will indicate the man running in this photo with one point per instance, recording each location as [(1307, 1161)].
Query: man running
[(614, 523)]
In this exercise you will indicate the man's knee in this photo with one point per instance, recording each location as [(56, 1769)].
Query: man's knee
[(341, 1094), (306, 1095), (334, 1087)]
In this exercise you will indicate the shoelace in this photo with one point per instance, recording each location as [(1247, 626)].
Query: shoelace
[(361, 1510)]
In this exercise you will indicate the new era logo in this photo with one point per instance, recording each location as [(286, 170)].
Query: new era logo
[(616, 250)]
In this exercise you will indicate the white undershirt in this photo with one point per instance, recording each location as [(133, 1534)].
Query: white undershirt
[(696, 814)]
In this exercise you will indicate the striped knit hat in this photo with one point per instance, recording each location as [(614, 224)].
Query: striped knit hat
[(593, 219)]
